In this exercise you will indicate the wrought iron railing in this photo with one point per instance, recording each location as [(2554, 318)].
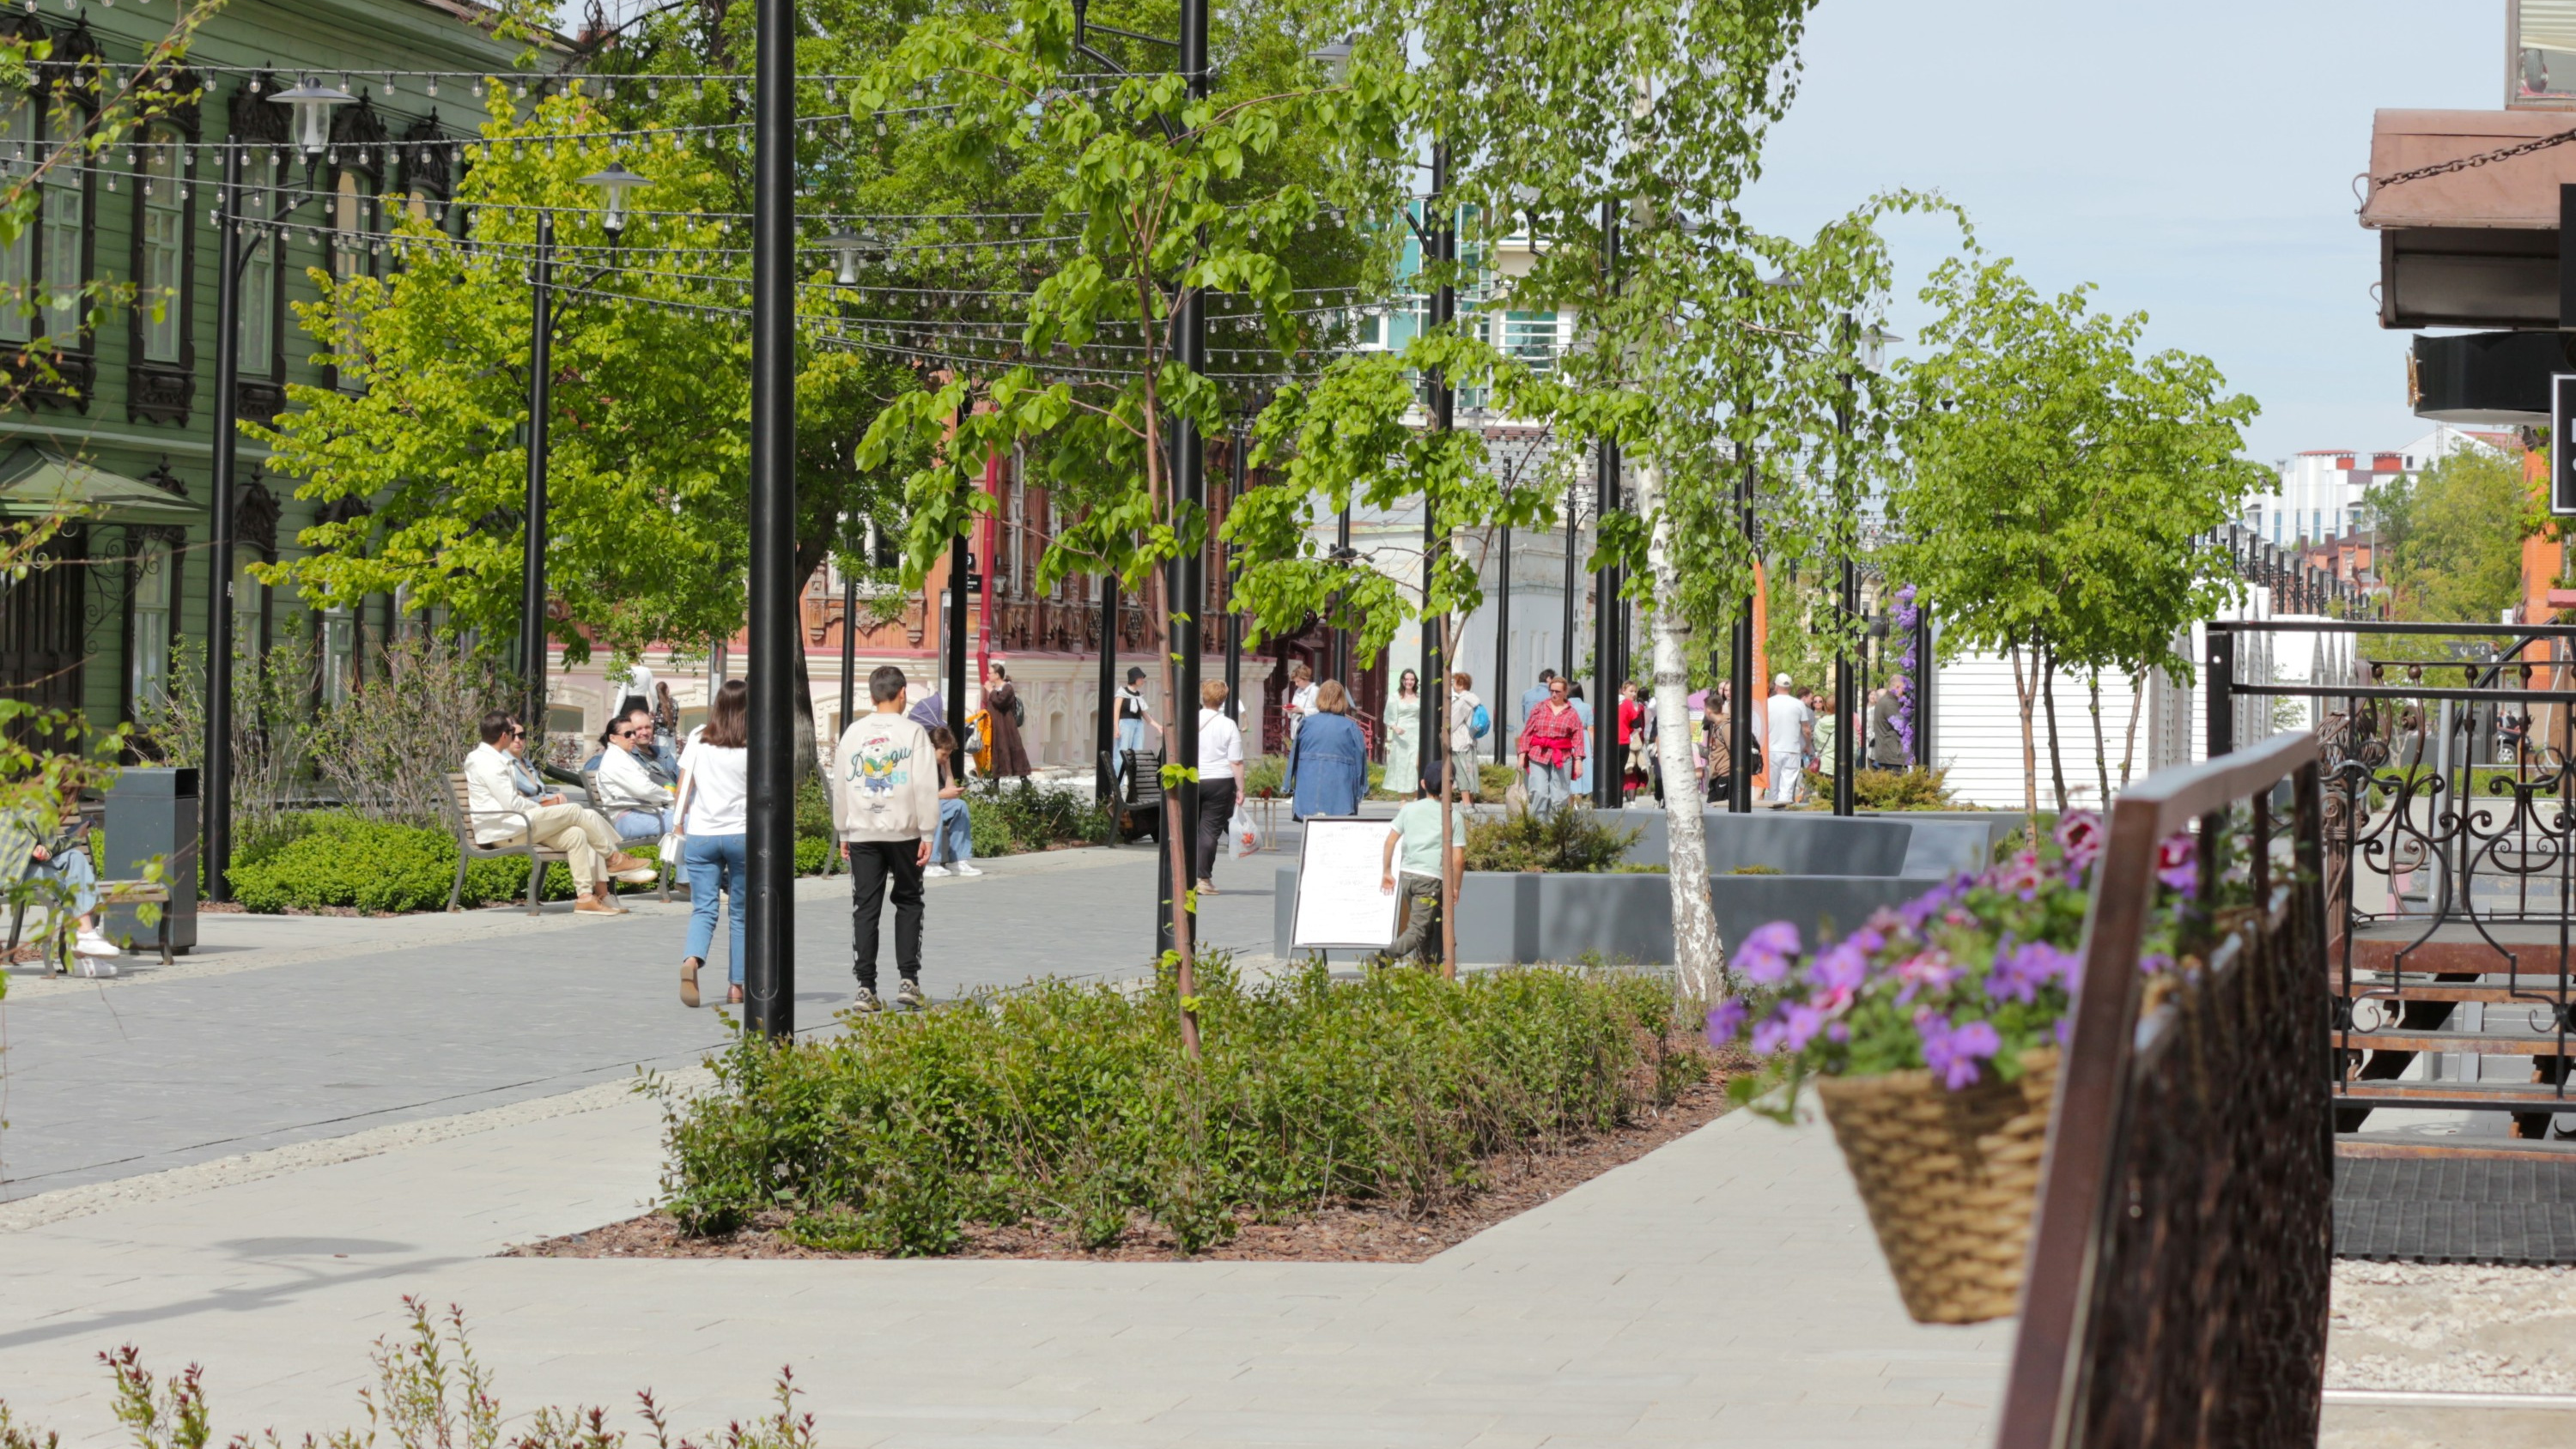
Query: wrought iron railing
[(2450, 865), (2176, 1291)]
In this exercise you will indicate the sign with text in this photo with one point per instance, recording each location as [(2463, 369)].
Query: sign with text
[(1340, 904)]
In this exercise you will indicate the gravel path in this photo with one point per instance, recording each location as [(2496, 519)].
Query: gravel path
[(2417, 1326)]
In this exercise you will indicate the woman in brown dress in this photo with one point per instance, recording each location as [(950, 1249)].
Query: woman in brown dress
[(1002, 719)]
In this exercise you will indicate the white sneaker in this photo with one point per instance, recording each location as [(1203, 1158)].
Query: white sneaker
[(91, 943), (930, 870), (963, 868)]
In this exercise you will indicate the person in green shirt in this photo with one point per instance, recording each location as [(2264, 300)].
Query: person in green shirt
[(1413, 853)]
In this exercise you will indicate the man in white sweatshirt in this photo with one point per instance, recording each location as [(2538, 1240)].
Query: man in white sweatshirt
[(885, 808)]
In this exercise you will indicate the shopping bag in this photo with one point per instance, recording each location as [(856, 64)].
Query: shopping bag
[(1247, 836), (1516, 799)]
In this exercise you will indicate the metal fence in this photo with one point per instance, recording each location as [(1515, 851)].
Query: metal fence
[(2450, 865), (2177, 1284)]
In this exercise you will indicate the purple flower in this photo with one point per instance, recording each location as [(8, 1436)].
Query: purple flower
[(1767, 953), (1726, 1021), (2020, 970), (1768, 1036), (2178, 863), (1952, 1052), (2154, 963), (1804, 1023), (1843, 968)]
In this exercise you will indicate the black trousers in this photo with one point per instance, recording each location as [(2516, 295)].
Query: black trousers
[(1216, 808), (874, 864)]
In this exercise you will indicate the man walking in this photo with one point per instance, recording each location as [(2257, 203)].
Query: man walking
[(1787, 745), (885, 808), (1532, 698), (1413, 851), (509, 805)]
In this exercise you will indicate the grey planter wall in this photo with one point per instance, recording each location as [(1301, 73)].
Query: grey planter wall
[(1520, 918), (1798, 843)]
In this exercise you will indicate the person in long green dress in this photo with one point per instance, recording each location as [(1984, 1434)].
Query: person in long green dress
[(1404, 733)]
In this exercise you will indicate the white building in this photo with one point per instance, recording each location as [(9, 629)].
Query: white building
[(2320, 493)]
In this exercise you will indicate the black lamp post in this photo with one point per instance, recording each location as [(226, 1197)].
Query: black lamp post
[(532, 561), (769, 985)]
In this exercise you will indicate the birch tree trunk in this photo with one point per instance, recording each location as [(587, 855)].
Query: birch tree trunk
[(1699, 953), (2101, 749), (2027, 692)]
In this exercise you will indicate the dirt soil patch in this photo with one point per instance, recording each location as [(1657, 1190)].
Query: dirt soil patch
[(1345, 1233)]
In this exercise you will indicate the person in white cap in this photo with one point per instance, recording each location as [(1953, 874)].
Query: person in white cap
[(1787, 747)]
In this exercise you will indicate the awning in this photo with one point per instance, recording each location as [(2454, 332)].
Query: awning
[(35, 482)]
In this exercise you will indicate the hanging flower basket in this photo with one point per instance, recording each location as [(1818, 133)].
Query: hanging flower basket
[(1931, 1036), (1951, 1180)]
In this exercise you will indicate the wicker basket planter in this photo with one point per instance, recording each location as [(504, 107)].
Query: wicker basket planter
[(1950, 1179)]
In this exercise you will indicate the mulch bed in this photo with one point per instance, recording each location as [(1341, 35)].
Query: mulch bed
[(1347, 1233)]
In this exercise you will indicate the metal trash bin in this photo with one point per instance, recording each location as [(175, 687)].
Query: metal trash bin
[(152, 814)]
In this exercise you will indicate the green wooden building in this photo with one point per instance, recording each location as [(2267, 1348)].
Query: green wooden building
[(124, 421)]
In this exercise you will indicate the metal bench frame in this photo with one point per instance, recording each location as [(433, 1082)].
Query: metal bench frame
[(460, 803)]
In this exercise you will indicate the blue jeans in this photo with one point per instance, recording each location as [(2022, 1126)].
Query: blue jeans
[(633, 823), (715, 861), (77, 875), (956, 840)]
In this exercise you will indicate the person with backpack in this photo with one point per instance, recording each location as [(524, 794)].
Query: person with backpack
[(1468, 723), (1004, 714)]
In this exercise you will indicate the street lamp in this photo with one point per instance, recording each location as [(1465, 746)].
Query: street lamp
[(846, 246), (1334, 58), (616, 181), (313, 107)]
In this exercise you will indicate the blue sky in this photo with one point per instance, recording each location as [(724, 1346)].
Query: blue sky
[(2194, 159)]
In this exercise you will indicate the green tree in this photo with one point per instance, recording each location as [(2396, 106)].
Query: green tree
[(2055, 485), (2451, 537)]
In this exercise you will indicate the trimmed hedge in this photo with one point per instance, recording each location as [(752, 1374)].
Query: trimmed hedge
[(1071, 1106), (330, 859)]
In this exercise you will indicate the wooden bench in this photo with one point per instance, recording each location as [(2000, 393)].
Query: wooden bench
[(468, 848), (110, 893)]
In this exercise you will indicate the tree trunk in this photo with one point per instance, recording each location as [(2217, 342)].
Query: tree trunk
[(2101, 750), (2139, 684), (1175, 847), (1699, 952), (2048, 701), (2027, 693)]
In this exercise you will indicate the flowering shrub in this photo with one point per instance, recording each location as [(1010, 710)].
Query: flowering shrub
[(1961, 980)]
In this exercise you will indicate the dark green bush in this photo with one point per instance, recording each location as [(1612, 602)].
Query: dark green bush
[(335, 859), (1071, 1106), (320, 860), (1008, 817), (1571, 838)]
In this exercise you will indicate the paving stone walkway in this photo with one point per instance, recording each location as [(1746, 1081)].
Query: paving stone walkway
[(1720, 1291), (284, 1029)]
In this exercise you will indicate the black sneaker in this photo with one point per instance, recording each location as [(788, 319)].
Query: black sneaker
[(867, 1003), (910, 996)]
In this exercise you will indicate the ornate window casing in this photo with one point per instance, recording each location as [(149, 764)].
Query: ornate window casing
[(46, 273), (360, 158), (260, 125), (161, 337), (156, 561), (428, 176)]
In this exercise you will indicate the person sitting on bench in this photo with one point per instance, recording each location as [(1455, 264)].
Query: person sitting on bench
[(635, 802), (57, 848), (500, 790)]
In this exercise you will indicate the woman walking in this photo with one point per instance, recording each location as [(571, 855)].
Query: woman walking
[(1328, 762), (1220, 778), (1464, 707), (1552, 743), (1403, 734), (1002, 712), (712, 788)]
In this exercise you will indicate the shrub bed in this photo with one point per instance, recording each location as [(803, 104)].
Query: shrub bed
[(1571, 838), (1071, 1108), (1010, 817)]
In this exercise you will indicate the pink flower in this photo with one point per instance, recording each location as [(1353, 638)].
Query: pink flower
[(2178, 863), (2079, 834)]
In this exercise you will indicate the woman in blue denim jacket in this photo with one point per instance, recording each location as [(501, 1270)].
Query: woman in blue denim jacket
[(1328, 761)]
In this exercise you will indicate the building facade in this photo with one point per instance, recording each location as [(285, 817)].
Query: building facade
[(123, 419)]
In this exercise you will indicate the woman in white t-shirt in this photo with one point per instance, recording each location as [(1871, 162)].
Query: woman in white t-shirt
[(713, 784), (1220, 777)]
